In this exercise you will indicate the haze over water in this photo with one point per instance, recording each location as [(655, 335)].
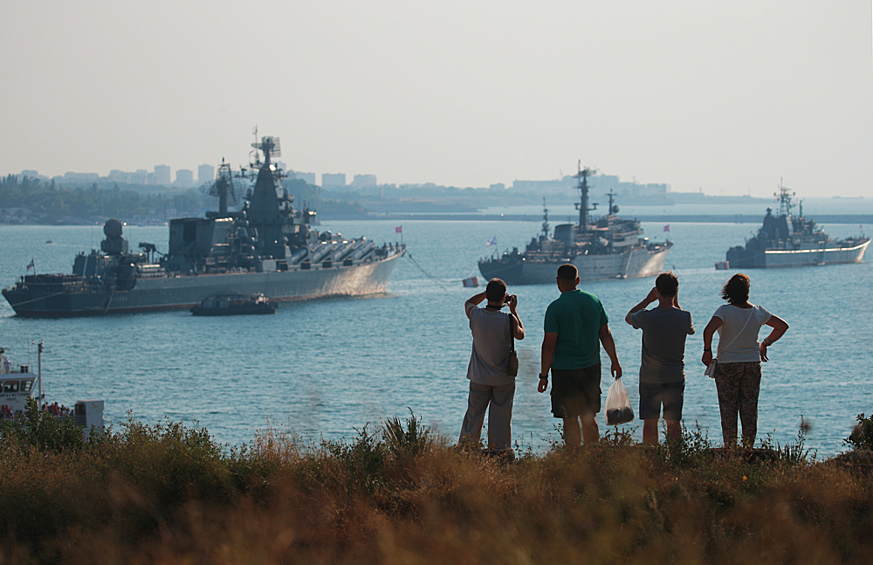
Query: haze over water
[(326, 368)]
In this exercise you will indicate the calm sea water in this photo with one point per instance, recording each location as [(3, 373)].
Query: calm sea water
[(324, 369)]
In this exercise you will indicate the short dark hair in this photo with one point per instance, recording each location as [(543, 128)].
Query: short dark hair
[(667, 284), (568, 272), (736, 290), (495, 291)]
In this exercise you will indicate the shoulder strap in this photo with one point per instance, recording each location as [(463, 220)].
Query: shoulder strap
[(511, 332), (731, 342)]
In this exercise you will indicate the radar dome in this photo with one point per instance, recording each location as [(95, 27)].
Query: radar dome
[(112, 228)]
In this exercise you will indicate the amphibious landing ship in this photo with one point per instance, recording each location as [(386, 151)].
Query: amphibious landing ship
[(268, 247), (785, 240)]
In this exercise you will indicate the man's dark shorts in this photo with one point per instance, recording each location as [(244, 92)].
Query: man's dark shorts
[(653, 395), (575, 391)]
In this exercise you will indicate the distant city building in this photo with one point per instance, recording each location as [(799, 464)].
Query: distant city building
[(599, 185), (162, 175), (497, 186), (185, 177), (29, 173), (141, 176), (333, 180), (308, 177), (80, 178), (363, 180), (555, 186), (205, 173), (118, 176)]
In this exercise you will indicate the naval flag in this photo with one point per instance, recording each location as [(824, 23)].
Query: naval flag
[(491, 242), (30, 266), (398, 229), (667, 227)]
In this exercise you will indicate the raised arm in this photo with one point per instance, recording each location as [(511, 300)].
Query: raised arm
[(651, 297), (519, 327), (714, 323), (609, 347), (472, 302), (779, 326)]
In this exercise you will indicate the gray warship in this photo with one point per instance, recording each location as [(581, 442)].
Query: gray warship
[(267, 247), (785, 240), (606, 248)]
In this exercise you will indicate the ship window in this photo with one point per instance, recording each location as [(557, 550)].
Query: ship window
[(26, 385), (10, 386)]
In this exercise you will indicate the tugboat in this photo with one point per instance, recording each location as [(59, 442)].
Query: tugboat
[(606, 248), (234, 305), (785, 240), (268, 247)]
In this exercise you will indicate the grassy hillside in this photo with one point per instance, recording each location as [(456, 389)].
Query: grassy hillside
[(397, 494)]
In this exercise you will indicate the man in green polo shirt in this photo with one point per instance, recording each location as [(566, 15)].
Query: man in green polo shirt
[(575, 326)]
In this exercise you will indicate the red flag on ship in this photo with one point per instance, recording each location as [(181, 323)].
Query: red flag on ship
[(667, 227), (398, 229)]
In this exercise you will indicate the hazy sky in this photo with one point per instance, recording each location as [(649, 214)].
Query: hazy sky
[(725, 96)]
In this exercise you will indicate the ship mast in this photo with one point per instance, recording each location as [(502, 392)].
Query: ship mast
[(582, 205), (545, 219), (784, 198)]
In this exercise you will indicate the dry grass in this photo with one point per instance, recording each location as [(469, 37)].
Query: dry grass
[(397, 495)]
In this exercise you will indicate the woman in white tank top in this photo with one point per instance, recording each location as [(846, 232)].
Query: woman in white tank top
[(738, 367)]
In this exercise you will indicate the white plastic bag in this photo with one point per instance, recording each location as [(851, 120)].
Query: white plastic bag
[(618, 406), (710, 369)]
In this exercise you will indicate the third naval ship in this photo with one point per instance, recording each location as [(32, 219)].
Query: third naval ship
[(786, 240)]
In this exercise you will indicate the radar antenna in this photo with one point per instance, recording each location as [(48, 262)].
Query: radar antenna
[(784, 198), (269, 145), (222, 187), (583, 187)]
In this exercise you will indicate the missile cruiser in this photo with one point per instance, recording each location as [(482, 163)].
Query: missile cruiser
[(268, 247)]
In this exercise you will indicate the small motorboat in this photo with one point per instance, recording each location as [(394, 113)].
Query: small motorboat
[(234, 305)]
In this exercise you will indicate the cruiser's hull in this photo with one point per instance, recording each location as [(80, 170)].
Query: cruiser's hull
[(184, 291), (739, 258), (635, 263)]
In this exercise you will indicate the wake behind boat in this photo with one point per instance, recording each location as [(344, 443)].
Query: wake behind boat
[(785, 240), (609, 247), (268, 248)]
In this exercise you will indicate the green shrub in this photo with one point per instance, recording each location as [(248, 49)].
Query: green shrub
[(41, 430), (411, 441), (861, 437)]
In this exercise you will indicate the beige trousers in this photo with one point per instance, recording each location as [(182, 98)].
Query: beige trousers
[(498, 401)]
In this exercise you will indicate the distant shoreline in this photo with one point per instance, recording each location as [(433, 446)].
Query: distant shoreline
[(669, 218), (473, 217)]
